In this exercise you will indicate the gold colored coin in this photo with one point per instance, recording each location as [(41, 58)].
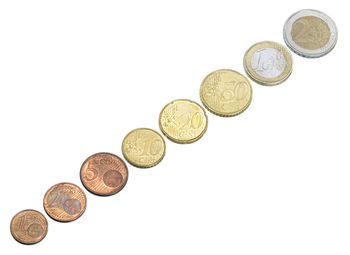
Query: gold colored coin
[(268, 63), (310, 32), (226, 92), (183, 121), (143, 147)]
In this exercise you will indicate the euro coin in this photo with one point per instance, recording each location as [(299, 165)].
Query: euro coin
[(226, 92), (310, 33), (268, 63), (183, 121), (29, 227), (65, 202), (104, 174), (143, 147)]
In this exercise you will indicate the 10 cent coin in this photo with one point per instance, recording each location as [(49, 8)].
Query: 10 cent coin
[(143, 147)]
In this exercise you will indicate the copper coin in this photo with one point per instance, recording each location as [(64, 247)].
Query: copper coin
[(65, 202), (29, 227), (104, 174)]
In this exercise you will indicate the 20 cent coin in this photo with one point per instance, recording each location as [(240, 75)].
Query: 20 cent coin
[(183, 121)]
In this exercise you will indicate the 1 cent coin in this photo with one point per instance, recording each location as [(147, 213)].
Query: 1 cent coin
[(29, 227), (143, 147), (65, 202), (268, 63), (226, 92), (183, 121), (104, 174)]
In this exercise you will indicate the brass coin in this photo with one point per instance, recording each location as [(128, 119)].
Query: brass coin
[(268, 63), (104, 174), (29, 227), (183, 121), (143, 147), (65, 202), (226, 92)]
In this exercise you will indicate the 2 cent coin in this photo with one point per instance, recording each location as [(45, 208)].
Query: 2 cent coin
[(65, 202), (104, 174)]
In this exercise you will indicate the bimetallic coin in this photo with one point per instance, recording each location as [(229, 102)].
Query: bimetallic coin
[(104, 174), (310, 33), (29, 227), (65, 202), (143, 147), (226, 92), (183, 121), (268, 63)]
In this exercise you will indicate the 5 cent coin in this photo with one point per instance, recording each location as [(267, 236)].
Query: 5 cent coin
[(65, 202), (268, 63), (143, 147), (183, 121), (226, 92), (29, 226), (104, 174)]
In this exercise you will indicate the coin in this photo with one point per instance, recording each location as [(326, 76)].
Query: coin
[(268, 63), (29, 227), (226, 92), (65, 202), (310, 33), (104, 174), (143, 147), (183, 121)]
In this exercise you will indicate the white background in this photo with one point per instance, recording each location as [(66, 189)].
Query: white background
[(77, 76)]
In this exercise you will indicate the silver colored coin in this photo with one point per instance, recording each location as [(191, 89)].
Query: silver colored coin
[(268, 62), (310, 33)]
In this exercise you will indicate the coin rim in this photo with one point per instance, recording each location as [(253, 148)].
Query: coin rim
[(64, 220), (33, 242), (333, 38), (257, 77), (135, 163), (222, 114), (99, 193), (183, 141)]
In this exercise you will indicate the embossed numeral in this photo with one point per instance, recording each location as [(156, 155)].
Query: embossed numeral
[(192, 121), (92, 172), (151, 147)]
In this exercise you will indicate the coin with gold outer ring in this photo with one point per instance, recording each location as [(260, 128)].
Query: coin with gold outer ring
[(226, 92), (143, 147), (268, 63), (183, 121)]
